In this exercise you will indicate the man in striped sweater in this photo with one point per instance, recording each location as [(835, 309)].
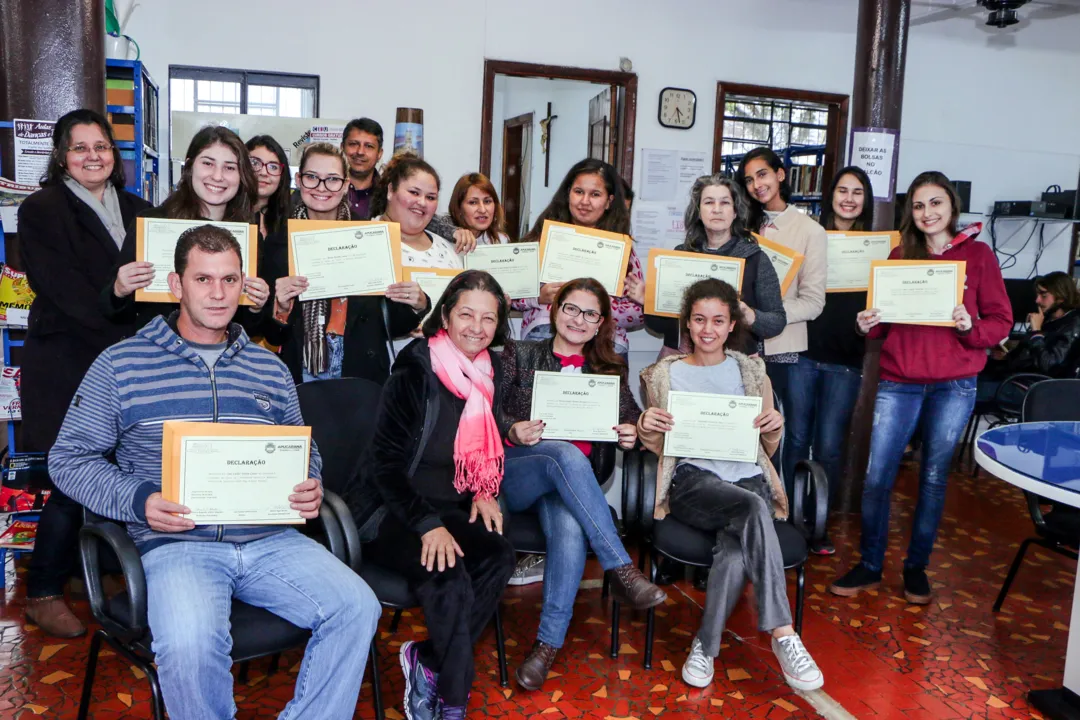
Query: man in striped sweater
[(198, 366)]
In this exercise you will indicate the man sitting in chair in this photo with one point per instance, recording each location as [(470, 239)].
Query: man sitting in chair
[(198, 366)]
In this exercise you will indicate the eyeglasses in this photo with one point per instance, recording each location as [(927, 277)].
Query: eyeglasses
[(99, 148), (591, 316), (272, 168), (312, 181)]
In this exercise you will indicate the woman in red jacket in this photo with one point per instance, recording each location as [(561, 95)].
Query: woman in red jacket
[(926, 371)]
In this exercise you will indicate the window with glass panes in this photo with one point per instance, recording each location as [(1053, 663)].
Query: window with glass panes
[(751, 122), (243, 92)]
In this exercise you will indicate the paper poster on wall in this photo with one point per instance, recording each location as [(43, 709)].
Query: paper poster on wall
[(668, 175), (33, 145), (691, 167), (11, 197), (656, 225), (874, 150)]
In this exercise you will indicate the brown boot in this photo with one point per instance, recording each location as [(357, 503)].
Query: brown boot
[(630, 587), (534, 671), (53, 616)]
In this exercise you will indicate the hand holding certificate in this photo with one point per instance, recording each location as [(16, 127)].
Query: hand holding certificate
[(344, 258), (568, 252), (576, 406), (713, 427), (234, 474), (516, 266), (432, 281), (916, 292), (850, 255), (155, 242), (670, 272)]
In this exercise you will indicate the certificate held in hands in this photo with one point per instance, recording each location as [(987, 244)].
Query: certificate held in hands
[(576, 406), (916, 292), (713, 427), (516, 266), (229, 474), (155, 242), (850, 255), (568, 252), (670, 272), (344, 258)]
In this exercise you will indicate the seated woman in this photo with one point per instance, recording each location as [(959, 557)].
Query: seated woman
[(426, 504), (735, 500), (475, 206), (557, 478), (338, 337)]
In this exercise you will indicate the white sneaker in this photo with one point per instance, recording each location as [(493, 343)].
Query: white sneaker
[(529, 570), (800, 670), (698, 669)]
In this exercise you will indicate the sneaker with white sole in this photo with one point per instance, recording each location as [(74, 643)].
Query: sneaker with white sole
[(529, 570), (698, 669), (800, 670)]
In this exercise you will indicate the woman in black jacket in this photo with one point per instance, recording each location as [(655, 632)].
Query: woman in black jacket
[(70, 234), (337, 337), (716, 225), (426, 501)]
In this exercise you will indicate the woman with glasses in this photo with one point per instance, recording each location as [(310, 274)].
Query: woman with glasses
[(339, 337), (560, 478), (218, 184), (271, 167), (70, 233)]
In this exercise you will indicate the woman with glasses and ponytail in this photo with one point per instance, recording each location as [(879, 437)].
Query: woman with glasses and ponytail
[(560, 479), (338, 337)]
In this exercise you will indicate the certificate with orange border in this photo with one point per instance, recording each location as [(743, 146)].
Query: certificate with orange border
[(850, 255), (568, 252), (155, 242), (432, 281), (229, 474), (342, 258), (916, 292), (669, 272), (785, 261)]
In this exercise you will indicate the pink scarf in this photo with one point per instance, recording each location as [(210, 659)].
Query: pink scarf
[(478, 452)]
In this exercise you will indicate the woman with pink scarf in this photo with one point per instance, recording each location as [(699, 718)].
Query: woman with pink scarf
[(427, 504)]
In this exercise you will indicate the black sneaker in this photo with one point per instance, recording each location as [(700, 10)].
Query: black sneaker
[(823, 546), (859, 578), (916, 586)]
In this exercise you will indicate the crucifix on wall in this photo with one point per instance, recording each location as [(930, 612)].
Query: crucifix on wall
[(545, 141)]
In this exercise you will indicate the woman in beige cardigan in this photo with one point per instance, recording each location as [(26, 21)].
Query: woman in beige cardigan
[(735, 500), (763, 173)]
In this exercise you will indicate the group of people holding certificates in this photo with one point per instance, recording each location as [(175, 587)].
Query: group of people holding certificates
[(165, 345)]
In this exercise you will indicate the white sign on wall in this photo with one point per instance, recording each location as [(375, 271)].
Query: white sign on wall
[(875, 151), (33, 146)]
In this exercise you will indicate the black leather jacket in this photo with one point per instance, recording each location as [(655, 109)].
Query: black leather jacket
[(1053, 351)]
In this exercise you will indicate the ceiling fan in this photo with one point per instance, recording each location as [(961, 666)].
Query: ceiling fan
[(999, 13)]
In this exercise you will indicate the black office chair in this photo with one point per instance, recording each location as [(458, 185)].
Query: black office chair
[(124, 626), (1004, 408), (1059, 529), (685, 544), (342, 415)]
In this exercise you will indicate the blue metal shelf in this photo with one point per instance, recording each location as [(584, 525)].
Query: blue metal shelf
[(121, 109), (141, 151)]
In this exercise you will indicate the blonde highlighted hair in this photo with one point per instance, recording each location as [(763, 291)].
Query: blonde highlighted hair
[(325, 148)]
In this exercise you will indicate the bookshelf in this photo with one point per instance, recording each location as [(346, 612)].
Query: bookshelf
[(131, 97)]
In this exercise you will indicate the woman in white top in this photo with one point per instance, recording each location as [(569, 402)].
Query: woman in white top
[(408, 194), (474, 205)]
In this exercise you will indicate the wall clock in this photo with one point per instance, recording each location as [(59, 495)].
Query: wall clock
[(678, 108)]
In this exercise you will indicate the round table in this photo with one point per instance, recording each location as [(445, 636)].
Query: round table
[(1043, 458)]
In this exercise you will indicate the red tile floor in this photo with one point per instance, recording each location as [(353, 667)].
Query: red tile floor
[(881, 657)]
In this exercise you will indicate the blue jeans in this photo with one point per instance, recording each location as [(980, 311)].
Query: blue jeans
[(190, 588), (558, 479), (945, 408), (335, 345), (821, 398)]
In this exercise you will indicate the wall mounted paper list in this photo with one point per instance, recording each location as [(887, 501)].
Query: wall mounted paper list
[(33, 145)]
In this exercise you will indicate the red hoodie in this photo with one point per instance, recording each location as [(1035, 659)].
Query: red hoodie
[(931, 354)]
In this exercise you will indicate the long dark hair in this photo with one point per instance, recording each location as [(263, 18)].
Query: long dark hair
[(463, 282), (184, 204), (696, 237), (713, 289), (756, 219), (278, 205), (599, 351), (616, 219), (400, 168), (865, 221), (1062, 287), (912, 240), (61, 140)]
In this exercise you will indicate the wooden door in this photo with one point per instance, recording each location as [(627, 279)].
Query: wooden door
[(513, 147)]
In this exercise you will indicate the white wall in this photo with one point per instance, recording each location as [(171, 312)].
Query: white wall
[(569, 136)]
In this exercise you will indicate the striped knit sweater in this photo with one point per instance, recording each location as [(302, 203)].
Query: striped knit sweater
[(139, 383)]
